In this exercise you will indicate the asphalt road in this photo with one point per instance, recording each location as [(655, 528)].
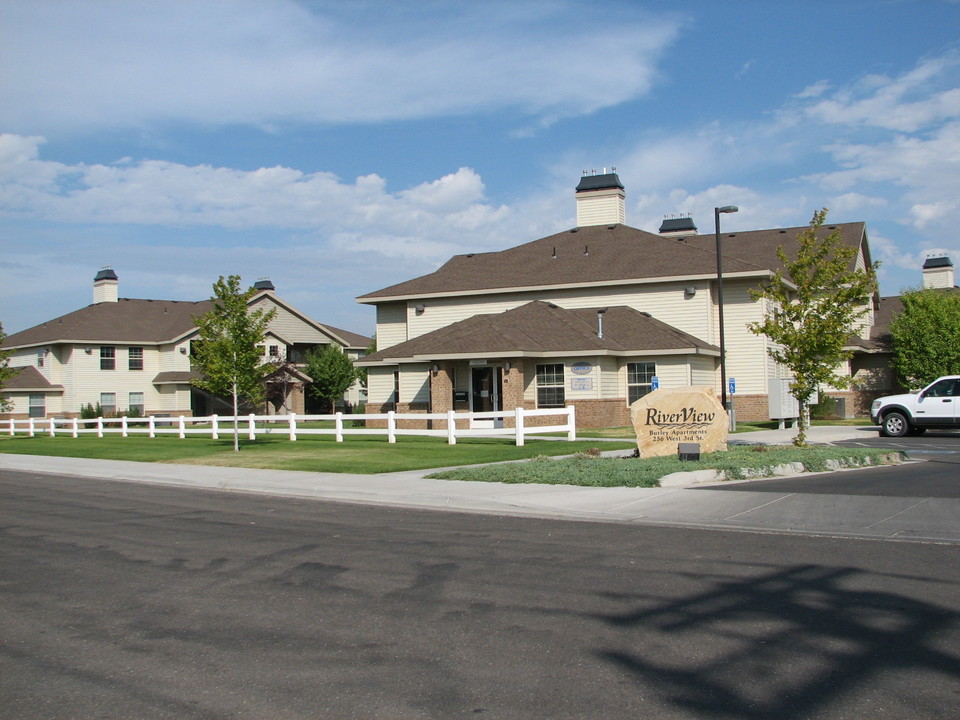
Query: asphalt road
[(125, 600), (937, 477)]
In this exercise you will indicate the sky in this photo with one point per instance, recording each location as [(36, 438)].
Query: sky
[(337, 148)]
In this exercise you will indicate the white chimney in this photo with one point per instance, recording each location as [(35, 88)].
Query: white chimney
[(600, 200), (106, 286), (938, 272)]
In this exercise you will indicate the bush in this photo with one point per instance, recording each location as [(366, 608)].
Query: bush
[(825, 409), (91, 411)]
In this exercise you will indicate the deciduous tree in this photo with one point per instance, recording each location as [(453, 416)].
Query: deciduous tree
[(226, 353), (332, 372), (925, 336), (6, 372), (814, 303)]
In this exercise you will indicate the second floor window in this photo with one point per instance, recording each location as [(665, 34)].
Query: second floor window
[(108, 358), (135, 358)]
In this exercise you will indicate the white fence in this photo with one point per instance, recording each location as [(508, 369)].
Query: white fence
[(292, 425)]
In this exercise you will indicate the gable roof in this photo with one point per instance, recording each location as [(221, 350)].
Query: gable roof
[(145, 322), (607, 254), (29, 378), (541, 329), (127, 321)]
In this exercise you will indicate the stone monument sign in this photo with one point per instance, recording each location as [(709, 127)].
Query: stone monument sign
[(665, 418)]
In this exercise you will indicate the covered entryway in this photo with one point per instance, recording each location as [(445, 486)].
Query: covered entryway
[(486, 391)]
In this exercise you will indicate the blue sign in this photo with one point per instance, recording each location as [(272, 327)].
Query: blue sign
[(732, 384), (654, 383)]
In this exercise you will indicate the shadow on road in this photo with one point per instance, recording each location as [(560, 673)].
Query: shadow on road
[(786, 644)]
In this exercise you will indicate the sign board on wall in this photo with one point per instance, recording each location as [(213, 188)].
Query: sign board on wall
[(581, 383), (581, 368), (665, 418)]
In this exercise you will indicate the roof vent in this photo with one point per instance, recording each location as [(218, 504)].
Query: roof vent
[(106, 286)]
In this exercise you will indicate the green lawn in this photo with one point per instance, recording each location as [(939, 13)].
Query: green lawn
[(309, 453)]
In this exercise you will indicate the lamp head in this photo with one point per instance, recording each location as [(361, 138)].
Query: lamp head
[(728, 209)]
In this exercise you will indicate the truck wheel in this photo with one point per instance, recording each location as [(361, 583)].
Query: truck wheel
[(895, 424)]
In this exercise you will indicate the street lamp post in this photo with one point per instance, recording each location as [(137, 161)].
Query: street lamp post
[(723, 348)]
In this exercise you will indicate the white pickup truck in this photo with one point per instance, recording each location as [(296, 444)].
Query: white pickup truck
[(936, 406)]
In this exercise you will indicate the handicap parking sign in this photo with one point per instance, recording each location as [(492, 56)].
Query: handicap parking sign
[(654, 383)]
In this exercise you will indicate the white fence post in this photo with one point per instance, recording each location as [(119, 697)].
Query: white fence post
[(31, 428), (251, 427), (293, 426), (74, 427), (12, 427), (214, 428), (572, 423), (182, 427), (338, 426), (100, 427), (391, 427), (123, 426), (451, 427), (151, 427), (53, 429), (518, 423)]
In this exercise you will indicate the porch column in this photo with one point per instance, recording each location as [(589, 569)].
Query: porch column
[(441, 388)]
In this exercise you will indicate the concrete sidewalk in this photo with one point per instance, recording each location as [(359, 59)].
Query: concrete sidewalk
[(840, 515)]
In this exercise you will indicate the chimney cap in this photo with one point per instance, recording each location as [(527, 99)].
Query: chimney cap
[(678, 225), (106, 273), (937, 262), (599, 182), (263, 284)]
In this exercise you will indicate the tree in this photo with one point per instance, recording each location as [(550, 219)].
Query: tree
[(332, 372), (813, 311), (6, 372), (226, 353), (925, 336)]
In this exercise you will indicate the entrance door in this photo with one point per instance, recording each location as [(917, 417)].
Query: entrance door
[(485, 390)]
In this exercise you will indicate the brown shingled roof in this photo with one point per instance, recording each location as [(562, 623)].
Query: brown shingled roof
[(29, 378), (134, 321), (607, 253), (540, 328)]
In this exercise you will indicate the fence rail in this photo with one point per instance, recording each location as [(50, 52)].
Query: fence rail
[(292, 425)]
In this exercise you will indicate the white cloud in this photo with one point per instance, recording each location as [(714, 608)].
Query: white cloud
[(250, 62), (907, 103)]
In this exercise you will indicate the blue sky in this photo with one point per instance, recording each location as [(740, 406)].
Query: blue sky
[(340, 147)]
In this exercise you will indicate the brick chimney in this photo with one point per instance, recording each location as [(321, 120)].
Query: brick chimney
[(938, 272), (600, 199), (106, 286)]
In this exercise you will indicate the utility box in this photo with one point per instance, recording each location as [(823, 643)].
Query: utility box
[(781, 403), (688, 451)]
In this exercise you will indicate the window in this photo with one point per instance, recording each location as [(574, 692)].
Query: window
[(108, 404), (274, 351), (108, 358), (396, 387), (135, 404), (41, 354), (550, 385), (37, 406), (639, 380), (135, 358)]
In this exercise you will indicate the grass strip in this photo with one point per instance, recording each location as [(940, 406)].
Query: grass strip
[(312, 453), (737, 463)]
